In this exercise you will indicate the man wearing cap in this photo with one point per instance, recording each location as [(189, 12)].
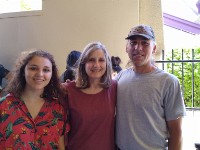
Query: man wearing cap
[(150, 106)]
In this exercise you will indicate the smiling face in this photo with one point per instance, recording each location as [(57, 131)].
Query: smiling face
[(140, 50), (95, 65), (38, 73)]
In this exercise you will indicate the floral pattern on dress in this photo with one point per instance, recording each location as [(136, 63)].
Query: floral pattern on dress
[(19, 131)]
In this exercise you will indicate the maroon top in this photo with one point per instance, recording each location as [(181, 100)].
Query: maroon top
[(92, 119)]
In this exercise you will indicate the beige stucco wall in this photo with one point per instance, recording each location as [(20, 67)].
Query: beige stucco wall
[(150, 12), (67, 25)]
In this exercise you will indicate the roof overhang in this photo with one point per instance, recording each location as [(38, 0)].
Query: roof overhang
[(181, 24)]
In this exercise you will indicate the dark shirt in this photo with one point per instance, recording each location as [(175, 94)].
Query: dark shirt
[(3, 73), (69, 74)]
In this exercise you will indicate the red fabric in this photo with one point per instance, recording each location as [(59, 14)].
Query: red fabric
[(92, 119), (18, 131)]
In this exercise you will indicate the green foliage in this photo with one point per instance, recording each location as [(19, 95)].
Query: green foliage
[(184, 72), (24, 6)]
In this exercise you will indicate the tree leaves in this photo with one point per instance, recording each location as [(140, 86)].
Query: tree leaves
[(186, 71)]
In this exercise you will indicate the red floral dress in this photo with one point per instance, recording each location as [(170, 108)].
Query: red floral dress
[(18, 130)]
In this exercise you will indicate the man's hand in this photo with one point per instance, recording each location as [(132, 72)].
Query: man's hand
[(64, 85)]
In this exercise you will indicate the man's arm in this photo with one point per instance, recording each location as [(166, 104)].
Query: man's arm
[(61, 144), (175, 132)]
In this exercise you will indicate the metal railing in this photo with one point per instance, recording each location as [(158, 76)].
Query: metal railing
[(172, 61)]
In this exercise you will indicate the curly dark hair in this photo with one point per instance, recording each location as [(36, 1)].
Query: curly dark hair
[(18, 82)]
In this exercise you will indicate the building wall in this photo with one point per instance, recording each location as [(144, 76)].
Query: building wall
[(67, 25), (151, 13)]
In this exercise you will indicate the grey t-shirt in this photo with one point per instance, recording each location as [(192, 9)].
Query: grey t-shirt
[(144, 103)]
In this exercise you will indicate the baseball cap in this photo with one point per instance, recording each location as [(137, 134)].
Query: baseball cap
[(141, 30)]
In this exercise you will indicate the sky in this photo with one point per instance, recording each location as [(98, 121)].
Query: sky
[(185, 9), (7, 6)]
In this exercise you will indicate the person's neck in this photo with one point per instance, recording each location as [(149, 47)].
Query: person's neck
[(144, 69), (31, 96), (94, 88)]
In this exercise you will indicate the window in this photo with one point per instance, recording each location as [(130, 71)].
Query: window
[(17, 8)]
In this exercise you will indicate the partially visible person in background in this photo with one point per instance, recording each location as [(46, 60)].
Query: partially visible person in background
[(32, 116), (91, 101), (116, 68), (3, 73), (5, 76), (69, 73)]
